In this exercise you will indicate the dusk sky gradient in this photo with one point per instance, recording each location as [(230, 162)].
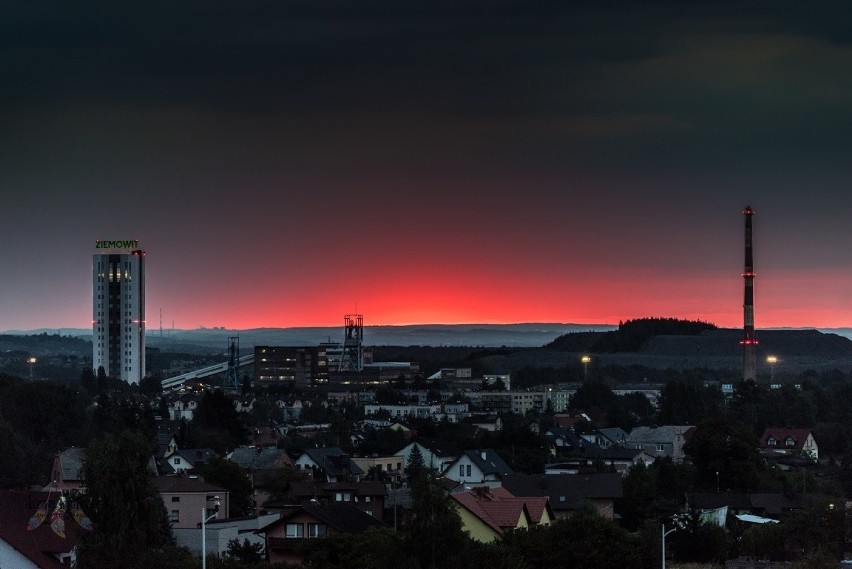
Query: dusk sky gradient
[(284, 163)]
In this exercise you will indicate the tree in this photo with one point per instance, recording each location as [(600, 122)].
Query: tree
[(247, 553), (585, 540), (151, 384), (227, 474), (434, 536), (414, 466), (88, 381), (699, 542), (216, 423), (103, 380), (128, 514), (725, 455)]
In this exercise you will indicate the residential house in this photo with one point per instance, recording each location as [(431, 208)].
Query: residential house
[(41, 547), (166, 444), (186, 460), (490, 422), (365, 495), (661, 442), (590, 457), (244, 404), (67, 471), (386, 468), (567, 492), (183, 407), (481, 466), (312, 521), (186, 497), (403, 411), (786, 441), (488, 513), (329, 462), (436, 454), (263, 466), (612, 436)]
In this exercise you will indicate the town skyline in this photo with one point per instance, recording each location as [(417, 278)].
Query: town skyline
[(285, 164)]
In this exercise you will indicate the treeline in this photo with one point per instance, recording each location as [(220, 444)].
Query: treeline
[(631, 335)]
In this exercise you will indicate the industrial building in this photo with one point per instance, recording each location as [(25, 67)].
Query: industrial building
[(118, 309)]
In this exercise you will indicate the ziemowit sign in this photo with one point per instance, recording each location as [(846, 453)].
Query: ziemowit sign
[(126, 244)]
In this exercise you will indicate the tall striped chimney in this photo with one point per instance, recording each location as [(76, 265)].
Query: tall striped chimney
[(749, 341)]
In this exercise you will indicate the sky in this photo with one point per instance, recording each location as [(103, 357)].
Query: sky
[(284, 163)]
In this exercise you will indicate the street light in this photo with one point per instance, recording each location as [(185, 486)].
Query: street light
[(204, 519), (31, 360), (678, 524), (665, 533), (771, 360), (586, 360)]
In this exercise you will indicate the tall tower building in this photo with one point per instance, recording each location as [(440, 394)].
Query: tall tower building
[(118, 315), (749, 340)]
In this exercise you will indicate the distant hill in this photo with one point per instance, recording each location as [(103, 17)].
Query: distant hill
[(796, 350), (632, 335)]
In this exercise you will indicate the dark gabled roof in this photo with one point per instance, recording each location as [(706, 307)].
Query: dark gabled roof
[(488, 461), (665, 434), (196, 456), (566, 491), (314, 490), (261, 458), (185, 484), (343, 517), (71, 463), (615, 434), (16, 508), (333, 461)]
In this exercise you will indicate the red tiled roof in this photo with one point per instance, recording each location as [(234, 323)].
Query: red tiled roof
[(780, 434), (16, 508), (500, 510)]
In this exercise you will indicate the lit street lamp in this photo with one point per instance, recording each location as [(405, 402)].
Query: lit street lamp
[(31, 360), (771, 360), (204, 519), (585, 361)]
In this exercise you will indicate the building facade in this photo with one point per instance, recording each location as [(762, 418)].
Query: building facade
[(118, 315)]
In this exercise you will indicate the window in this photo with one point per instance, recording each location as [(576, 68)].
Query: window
[(660, 448), (771, 441), (790, 442), (316, 530), (176, 460), (468, 470), (175, 517), (295, 530), (175, 498), (461, 469)]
